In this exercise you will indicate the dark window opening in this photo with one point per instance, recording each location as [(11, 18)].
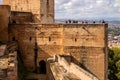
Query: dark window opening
[(32, 79), (13, 39), (35, 27), (42, 67), (47, 2), (49, 38), (75, 39), (14, 22), (30, 38)]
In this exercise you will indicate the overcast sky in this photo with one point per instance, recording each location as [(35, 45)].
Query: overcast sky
[(0, 1), (87, 9)]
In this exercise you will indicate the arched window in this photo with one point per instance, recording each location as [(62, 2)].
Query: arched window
[(42, 67)]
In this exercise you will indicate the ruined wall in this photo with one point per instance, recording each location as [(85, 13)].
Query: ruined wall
[(87, 44), (8, 62), (43, 10), (4, 20)]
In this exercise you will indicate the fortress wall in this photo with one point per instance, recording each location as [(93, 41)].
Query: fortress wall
[(25, 36), (43, 10), (85, 42), (25, 6), (48, 38), (21, 17), (85, 35), (4, 20)]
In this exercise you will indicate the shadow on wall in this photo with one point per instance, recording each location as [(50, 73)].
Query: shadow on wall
[(75, 61), (21, 17), (42, 67)]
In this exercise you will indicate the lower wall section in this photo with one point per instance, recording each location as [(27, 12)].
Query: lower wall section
[(64, 70), (91, 58)]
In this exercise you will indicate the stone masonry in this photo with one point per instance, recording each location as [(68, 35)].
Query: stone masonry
[(43, 10), (86, 43), (30, 23), (8, 62)]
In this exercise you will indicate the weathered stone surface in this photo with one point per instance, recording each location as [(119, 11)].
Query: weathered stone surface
[(4, 20), (8, 64), (21, 17), (2, 74), (64, 70), (2, 50), (86, 45), (43, 10), (4, 63)]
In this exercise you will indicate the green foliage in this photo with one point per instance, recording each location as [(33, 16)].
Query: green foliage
[(118, 65), (118, 75), (114, 64), (116, 54)]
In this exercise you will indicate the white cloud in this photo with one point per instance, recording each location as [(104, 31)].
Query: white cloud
[(87, 9), (117, 3), (0, 1)]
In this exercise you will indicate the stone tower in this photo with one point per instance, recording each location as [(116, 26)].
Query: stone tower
[(43, 10)]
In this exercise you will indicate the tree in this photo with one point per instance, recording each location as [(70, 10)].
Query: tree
[(114, 64)]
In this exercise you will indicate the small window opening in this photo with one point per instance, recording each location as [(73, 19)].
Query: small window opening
[(47, 2), (49, 38), (14, 22), (30, 38), (75, 39), (13, 39)]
